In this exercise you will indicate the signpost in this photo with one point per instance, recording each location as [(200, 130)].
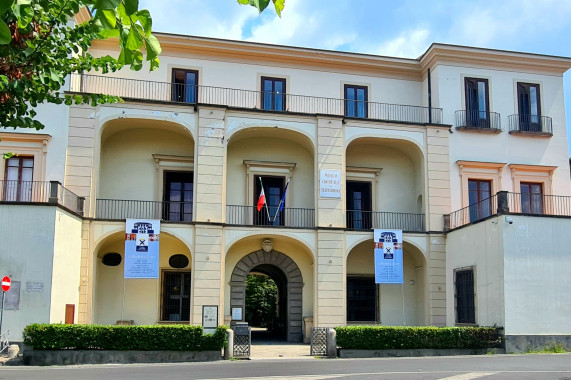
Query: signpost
[(6, 282)]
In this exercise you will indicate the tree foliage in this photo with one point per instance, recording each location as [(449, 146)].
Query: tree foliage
[(263, 4), (40, 46), (261, 297)]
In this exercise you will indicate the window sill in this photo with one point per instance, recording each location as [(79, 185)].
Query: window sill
[(479, 129), (531, 133)]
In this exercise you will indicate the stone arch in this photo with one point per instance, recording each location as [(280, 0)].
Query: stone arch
[(294, 286)]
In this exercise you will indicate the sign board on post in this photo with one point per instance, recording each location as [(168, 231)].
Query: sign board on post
[(209, 319), (142, 248), (388, 257), (330, 183), (6, 283)]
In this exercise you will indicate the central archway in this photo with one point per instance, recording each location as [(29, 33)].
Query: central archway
[(266, 261)]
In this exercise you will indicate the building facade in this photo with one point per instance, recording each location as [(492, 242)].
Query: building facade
[(398, 143)]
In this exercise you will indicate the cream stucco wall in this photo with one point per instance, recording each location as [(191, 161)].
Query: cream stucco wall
[(141, 295), (66, 266)]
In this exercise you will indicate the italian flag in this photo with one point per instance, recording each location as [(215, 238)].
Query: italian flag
[(261, 199)]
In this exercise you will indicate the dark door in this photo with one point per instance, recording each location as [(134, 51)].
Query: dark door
[(529, 107), (477, 109), (273, 190), (531, 198), (18, 186), (361, 299), (178, 189), (479, 192), (273, 94), (359, 205), (176, 296), (185, 86)]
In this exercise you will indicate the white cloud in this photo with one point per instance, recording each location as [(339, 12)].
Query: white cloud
[(408, 44)]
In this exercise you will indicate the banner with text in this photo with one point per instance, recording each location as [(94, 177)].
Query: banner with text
[(388, 257), (142, 248)]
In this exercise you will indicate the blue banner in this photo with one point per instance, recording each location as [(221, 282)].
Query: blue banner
[(388, 257), (142, 248)]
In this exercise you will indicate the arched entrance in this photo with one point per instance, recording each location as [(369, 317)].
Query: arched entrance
[(281, 268)]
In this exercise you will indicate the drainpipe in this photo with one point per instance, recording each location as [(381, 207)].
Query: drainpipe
[(429, 98)]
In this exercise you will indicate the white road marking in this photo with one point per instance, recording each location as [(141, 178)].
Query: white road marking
[(469, 376)]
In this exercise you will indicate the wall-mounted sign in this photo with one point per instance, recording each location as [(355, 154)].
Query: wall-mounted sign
[(236, 313), (34, 286), (209, 319), (142, 248), (330, 183), (388, 257)]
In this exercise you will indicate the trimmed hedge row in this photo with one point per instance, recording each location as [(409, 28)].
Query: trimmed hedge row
[(390, 338), (109, 337)]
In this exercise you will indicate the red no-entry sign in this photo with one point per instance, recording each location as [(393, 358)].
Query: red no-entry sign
[(6, 283)]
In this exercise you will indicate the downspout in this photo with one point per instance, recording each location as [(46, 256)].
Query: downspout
[(429, 99)]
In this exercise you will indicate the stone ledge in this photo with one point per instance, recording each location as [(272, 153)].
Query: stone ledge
[(72, 357), (354, 354)]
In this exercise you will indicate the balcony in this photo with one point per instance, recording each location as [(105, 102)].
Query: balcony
[(480, 121), (245, 99), (532, 125), (288, 217), (116, 209), (367, 220), (40, 192), (510, 203)]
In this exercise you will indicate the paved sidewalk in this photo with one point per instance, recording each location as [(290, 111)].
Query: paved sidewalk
[(278, 350)]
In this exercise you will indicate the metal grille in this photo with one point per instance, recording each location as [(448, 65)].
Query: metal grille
[(241, 345), (319, 341), (176, 296), (361, 299), (465, 308)]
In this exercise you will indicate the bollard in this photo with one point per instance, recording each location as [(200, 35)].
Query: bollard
[(229, 348), (331, 347)]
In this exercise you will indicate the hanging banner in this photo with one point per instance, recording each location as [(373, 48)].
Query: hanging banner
[(142, 248), (388, 257)]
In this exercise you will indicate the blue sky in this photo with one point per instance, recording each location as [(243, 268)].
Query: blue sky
[(396, 28)]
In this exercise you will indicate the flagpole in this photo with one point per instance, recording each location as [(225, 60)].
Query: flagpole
[(281, 200)]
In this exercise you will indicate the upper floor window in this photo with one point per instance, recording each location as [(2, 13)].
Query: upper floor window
[(477, 103), (479, 193), (185, 86), (529, 108), (273, 94), (356, 101), (359, 205), (531, 197), (19, 177), (271, 213), (177, 196)]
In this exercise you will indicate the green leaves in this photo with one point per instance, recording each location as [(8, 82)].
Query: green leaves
[(263, 4), (5, 34)]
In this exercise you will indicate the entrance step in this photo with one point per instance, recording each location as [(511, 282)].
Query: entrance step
[(279, 350)]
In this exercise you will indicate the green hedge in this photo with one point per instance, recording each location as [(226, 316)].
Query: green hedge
[(108, 337), (390, 338)]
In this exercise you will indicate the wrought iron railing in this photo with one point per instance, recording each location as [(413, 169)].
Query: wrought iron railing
[(539, 204), (473, 213), (192, 94), (522, 123), (288, 217), (40, 192), (366, 220), (117, 209), (478, 120)]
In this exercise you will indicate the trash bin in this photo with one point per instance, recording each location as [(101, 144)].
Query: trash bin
[(242, 340)]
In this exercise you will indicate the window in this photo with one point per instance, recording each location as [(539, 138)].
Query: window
[(361, 299), (529, 107), (356, 101), (175, 296), (531, 198), (273, 190), (177, 196), (19, 172), (185, 86), (273, 94), (359, 205), (479, 192), (465, 295), (477, 103)]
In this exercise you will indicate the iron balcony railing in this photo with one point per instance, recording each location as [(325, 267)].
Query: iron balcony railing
[(12, 191), (522, 123), (478, 120), (366, 220), (539, 204), (248, 99), (116, 209), (288, 217), (473, 213)]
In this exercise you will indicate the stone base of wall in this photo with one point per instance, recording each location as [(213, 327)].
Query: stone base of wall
[(352, 354), (71, 357), (525, 343)]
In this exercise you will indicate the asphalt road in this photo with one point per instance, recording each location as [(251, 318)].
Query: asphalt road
[(551, 366)]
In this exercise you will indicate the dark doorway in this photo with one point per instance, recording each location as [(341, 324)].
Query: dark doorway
[(359, 205), (361, 299), (266, 303), (273, 190), (177, 196)]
